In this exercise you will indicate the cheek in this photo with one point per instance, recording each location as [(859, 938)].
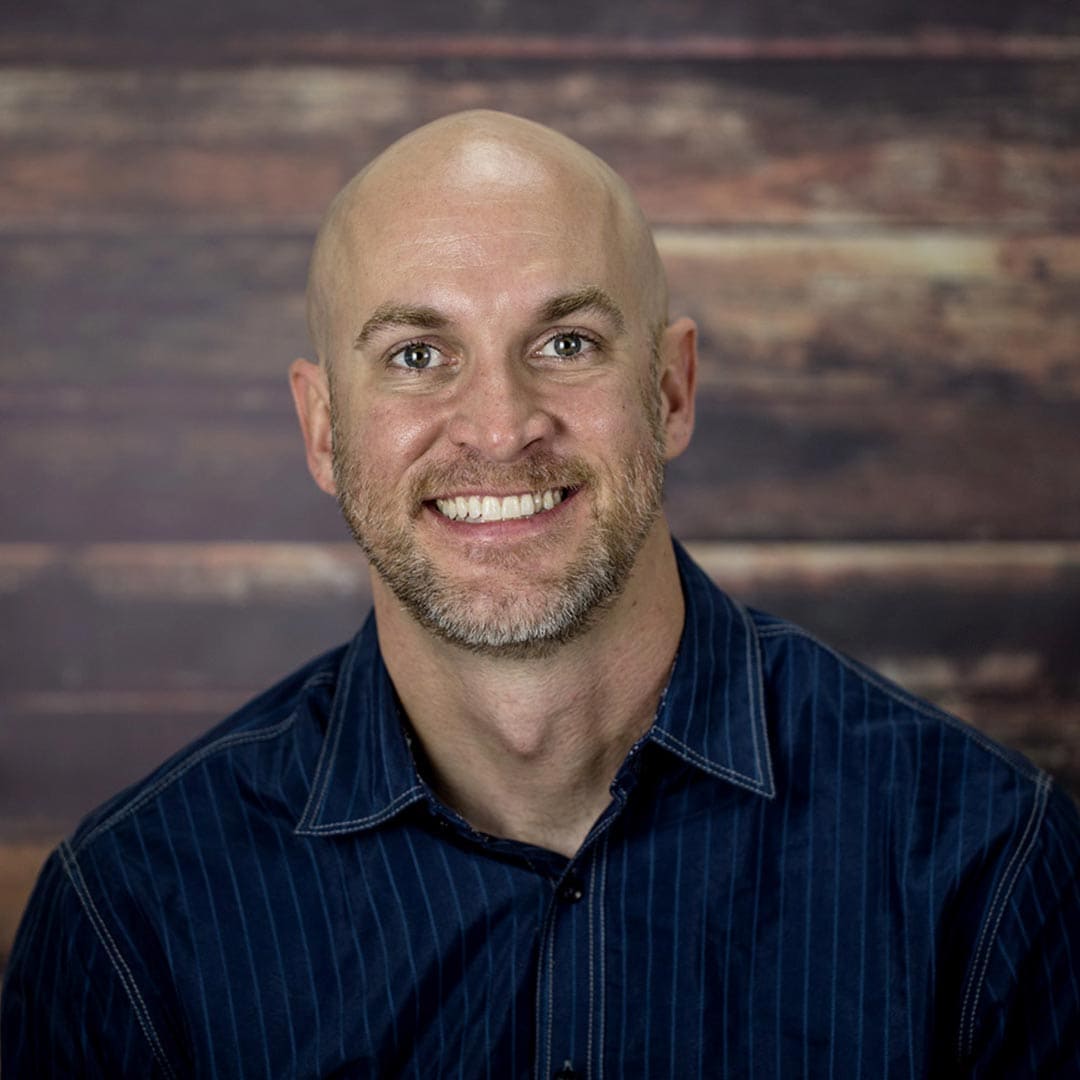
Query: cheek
[(615, 420), (390, 437)]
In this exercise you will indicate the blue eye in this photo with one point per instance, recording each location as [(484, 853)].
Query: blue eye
[(565, 345), (416, 356)]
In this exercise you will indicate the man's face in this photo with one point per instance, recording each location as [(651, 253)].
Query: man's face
[(497, 430)]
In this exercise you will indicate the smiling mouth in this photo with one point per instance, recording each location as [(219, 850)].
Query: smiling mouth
[(479, 509)]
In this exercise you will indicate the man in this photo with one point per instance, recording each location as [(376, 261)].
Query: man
[(561, 808)]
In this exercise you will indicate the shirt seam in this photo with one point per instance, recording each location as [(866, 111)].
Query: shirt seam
[(116, 958), (995, 913), (324, 767), (750, 783), (898, 694), (755, 667), (591, 913), (330, 828), (226, 742)]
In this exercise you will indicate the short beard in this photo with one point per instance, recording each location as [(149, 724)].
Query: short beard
[(537, 618)]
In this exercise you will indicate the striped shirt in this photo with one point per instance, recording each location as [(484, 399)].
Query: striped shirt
[(803, 871)]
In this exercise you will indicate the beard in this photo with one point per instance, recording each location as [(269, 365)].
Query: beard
[(519, 612)]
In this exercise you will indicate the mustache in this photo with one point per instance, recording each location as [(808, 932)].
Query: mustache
[(538, 472)]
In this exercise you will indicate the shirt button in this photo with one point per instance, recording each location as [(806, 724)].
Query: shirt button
[(567, 1072), (570, 892)]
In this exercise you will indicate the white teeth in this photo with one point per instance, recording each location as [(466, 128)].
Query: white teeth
[(492, 508)]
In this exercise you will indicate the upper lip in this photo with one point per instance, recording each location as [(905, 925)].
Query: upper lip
[(497, 493)]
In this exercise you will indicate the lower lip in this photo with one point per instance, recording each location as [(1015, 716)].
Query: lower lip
[(502, 530)]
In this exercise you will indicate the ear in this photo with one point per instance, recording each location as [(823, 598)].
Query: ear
[(311, 395), (678, 378)]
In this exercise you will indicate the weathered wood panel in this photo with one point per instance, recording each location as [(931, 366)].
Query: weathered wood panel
[(800, 142), (765, 464), (174, 619), (159, 181), (91, 317), (57, 766), (985, 595), (206, 22)]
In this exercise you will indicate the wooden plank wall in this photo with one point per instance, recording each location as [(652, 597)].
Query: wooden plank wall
[(871, 209)]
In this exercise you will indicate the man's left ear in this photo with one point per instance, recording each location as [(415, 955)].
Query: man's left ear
[(678, 378)]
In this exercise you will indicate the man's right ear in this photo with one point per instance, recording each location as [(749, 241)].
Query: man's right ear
[(311, 395)]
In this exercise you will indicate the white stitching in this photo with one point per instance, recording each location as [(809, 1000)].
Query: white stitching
[(142, 1014), (603, 970), (981, 960), (756, 679), (592, 973), (327, 756), (923, 708), (226, 742), (547, 926), (330, 829), (665, 738), (550, 995)]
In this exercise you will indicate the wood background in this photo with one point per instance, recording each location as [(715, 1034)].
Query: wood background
[(872, 208)]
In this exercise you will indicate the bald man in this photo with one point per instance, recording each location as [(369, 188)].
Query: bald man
[(561, 808)]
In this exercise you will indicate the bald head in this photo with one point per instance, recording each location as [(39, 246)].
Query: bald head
[(482, 171)]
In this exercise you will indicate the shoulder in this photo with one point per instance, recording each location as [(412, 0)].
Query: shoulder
[(247, 742), (804, 676), (971, 831), (141, 875)]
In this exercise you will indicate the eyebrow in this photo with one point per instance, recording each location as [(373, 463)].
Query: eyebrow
[(389, 315), (591, 297)]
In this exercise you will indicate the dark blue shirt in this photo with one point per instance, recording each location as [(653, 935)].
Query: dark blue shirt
[(803, 871)]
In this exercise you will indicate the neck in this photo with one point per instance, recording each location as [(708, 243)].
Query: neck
[(527, 748)]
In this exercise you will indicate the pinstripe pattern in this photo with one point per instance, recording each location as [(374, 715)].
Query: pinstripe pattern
[(804, 871)]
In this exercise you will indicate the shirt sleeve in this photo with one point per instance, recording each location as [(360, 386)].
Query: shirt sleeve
[(67, 1009), (1024, 1018)]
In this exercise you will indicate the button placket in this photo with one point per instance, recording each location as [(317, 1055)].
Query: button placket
[(566, 987)]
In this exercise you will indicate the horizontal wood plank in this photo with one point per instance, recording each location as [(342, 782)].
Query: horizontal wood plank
[(206, 23), (796, 143), (765, 464), (93, 321), (307, 49)]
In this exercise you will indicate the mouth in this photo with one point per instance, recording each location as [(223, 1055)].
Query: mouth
[(481, 509)]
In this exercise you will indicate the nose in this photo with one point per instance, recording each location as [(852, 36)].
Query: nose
[(497, 410)]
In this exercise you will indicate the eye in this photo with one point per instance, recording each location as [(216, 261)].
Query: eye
[(566, 345), (416, 356)]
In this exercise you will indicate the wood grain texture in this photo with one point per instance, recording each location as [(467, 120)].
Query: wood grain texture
[(769, 18), (871, 208), (781, 143), (250, 30), (96, 317), (921, 384), (765, 464)]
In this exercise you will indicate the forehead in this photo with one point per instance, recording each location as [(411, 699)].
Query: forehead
[(489, 228)]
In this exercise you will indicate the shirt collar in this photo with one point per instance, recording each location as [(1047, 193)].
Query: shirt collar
[(712, 716), (713, 711)]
